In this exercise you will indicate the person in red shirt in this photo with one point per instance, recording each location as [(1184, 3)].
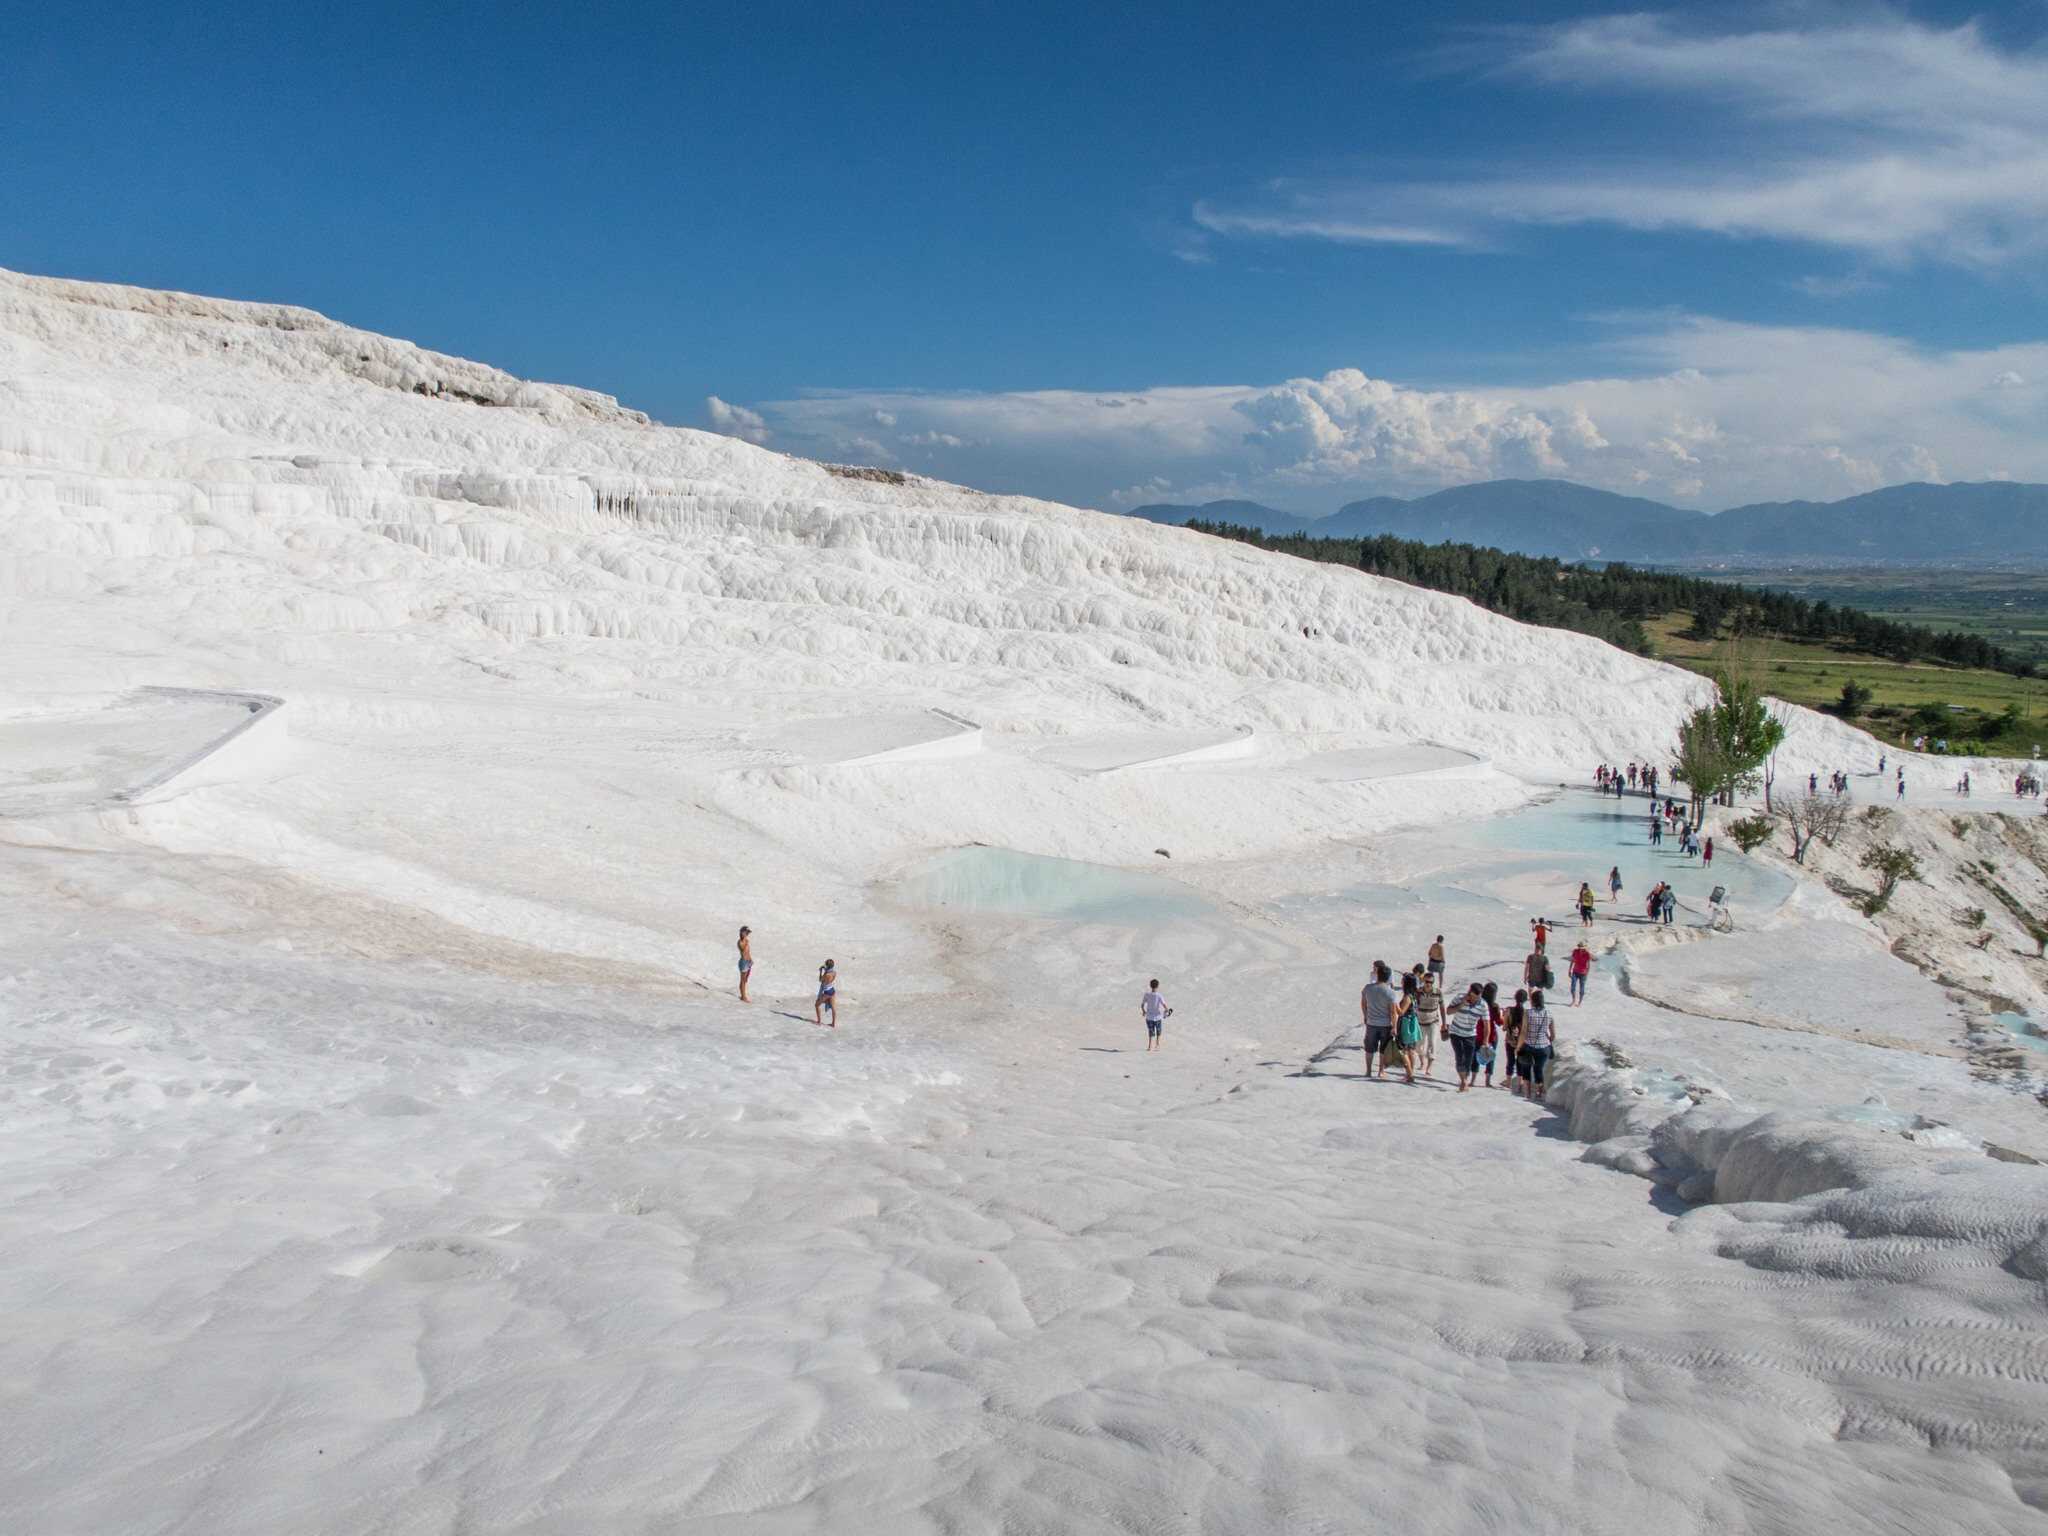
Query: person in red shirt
[(1581, 966)]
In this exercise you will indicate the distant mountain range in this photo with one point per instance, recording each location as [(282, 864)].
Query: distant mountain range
[(1902, 524)]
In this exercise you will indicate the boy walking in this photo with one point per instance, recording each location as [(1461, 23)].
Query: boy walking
[(1153, 1006)]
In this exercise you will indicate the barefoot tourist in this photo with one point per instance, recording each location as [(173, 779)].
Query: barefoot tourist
[(1539, 1039), (1377, 1005), (1581, 966), (1462, 1027), (1156, 1013), (827, 1000), (1429, 1014), (746, 961)]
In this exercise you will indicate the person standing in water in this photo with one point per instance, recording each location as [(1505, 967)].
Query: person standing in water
[(1614, 884), (828, 994), (1580, 967), (1156, 1013), (746, 961), (1585, 904), (1376, 1006)]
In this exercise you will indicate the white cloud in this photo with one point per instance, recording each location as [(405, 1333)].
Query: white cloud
[(1306, 221), (1689, 408), (1881, 136), (735, 420), (1156, 489)]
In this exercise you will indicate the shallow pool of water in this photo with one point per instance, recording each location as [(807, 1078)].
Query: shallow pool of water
[(1604, 833), (2024, 1030), (1001, 880)]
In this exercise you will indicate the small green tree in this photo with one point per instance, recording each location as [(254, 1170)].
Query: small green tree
[(1854, 700), (1891, 864), (1751, 832)]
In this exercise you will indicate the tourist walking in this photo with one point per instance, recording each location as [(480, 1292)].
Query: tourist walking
[(827, 1000), (1585, 904), (1707, 853), (1539, 1040), (1580, 967), (1489, 1037), (1377, 1005), (1429, 1015), (1156, 1013), (1511, 1039), (1436, 960), (1461, 1027), (1408, 1025), (1614, 883)]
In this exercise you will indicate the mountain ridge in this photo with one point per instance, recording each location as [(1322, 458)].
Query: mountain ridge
[(1917, 522)]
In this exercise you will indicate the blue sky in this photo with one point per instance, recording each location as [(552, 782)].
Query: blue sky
[(1110, 255)]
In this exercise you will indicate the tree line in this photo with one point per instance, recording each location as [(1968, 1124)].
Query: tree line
[(1611, 602)]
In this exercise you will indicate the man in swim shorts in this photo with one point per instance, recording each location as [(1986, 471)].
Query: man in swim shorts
[(1436, 961), (828, 994), (746, 961)]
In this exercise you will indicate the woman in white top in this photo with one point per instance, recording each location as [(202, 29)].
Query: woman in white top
[(1539, 1041), (1429, 1010)]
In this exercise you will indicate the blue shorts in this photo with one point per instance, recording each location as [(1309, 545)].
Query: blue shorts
[(746, 966), (1154, 1026)]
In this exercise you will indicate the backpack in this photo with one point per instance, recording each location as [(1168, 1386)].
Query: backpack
[(1546, 978)]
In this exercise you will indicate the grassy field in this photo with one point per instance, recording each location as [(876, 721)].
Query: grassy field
[(2008, 608), (1969, 701)]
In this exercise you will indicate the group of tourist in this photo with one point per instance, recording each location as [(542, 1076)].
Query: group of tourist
[(1619, 781), (1663, 903), (825, 1002), (1405, 1022)]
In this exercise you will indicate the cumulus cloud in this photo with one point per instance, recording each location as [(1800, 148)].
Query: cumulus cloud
[(1881, 136), (735, 420), (1686, 408)]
